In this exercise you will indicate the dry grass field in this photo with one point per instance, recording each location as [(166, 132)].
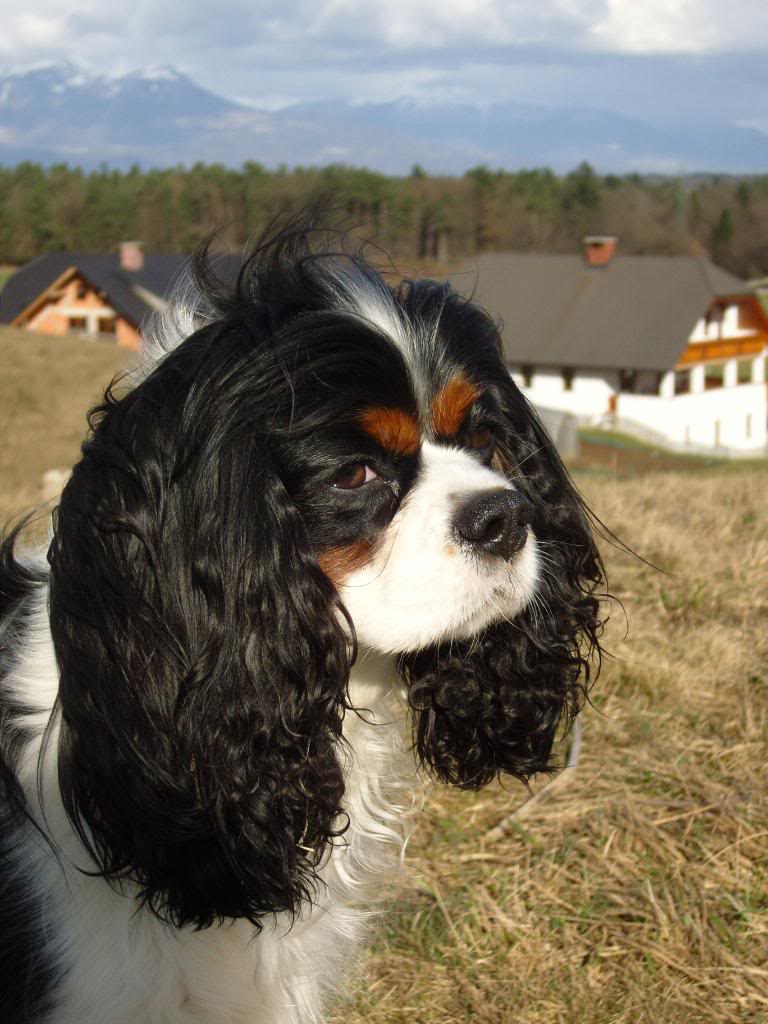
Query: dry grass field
[(634, 890), (46, 387)]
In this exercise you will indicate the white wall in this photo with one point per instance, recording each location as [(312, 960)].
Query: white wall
[(693, 418), (733, 417), (589, 398)]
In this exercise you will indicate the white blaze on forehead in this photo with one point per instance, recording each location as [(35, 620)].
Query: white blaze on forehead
[(372, 301), (353, 291), (422, 586)]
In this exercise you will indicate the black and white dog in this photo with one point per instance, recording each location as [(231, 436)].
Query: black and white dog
[(322, 541)]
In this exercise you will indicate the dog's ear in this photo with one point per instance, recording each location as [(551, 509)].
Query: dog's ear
[(202, 653), (494, 704)]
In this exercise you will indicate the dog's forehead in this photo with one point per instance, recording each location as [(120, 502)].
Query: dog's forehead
[(396, 381), (401, 430), (420, 326)]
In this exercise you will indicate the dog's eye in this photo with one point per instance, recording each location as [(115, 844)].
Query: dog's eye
[(353, 476), (480, 438)]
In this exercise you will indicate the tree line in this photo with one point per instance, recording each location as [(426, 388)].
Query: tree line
[(419, 219)]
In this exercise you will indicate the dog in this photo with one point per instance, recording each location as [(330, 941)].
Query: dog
[(320, 549)]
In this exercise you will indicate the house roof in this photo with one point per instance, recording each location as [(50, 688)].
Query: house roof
[(635, 313), (126, 290)]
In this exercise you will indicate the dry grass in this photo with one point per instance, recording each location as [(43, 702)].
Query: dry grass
[(635, 894), (46, 387)]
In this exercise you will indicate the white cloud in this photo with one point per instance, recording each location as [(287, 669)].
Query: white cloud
[(680, 26), (655, 26), (307, 49), (405, 25), (31, 33), (195, 31)]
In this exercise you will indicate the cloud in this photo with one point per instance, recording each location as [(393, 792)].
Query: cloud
[(32, 34), (680, 26), (184, 31), (620, 54)]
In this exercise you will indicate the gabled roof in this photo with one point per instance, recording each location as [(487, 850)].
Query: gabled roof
[(635, 313), (102, 271), (126, 290)]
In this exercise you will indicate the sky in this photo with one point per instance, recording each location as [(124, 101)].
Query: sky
[(660, 59)]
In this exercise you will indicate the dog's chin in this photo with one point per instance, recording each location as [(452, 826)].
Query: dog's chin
[(430, 616)]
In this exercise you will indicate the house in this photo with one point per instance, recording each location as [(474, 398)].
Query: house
[(100, 296), (670, 348)]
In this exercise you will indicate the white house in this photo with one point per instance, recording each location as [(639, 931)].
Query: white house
[(670, 348)]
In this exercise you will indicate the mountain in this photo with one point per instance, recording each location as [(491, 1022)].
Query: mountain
[(159, 117), (58, 112)]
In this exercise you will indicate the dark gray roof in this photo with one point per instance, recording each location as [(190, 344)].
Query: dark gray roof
[(104, 273), (635, 313)]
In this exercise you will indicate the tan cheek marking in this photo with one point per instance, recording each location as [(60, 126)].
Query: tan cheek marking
[(450, 406), (338, 564), (392, 428)]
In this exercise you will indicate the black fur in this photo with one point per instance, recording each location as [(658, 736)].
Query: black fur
[(203, 654)]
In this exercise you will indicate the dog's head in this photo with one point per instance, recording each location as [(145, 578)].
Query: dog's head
[(320, 461)]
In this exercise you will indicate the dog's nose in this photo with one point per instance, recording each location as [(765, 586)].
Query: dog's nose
[(495, 521)]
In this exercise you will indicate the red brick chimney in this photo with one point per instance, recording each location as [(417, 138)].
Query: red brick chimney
[(131, 256), (599, 250)]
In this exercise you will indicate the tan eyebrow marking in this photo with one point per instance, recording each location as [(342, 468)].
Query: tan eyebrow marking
[(392, 428), (450, 406), (339, 563)]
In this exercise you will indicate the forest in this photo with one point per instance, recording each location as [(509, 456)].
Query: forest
[(419, 219)]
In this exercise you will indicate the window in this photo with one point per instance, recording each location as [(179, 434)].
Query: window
[(108, 325), (628, 380), (82, 291), (714, 376), (744, 371), (527, 372), (682, 382), (567, 373), (77, 323)]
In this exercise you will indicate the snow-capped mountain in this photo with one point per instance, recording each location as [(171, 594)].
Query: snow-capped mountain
[(160, 117), (61, 111)]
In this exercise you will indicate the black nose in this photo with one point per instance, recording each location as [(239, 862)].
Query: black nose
[(495, 521)]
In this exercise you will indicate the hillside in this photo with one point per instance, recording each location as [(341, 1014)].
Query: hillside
[(46, 388)]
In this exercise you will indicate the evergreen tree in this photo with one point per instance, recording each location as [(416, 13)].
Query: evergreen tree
[(415, 218)]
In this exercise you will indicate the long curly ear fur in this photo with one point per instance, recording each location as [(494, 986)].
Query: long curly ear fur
[(494, 704), (202, 655)]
